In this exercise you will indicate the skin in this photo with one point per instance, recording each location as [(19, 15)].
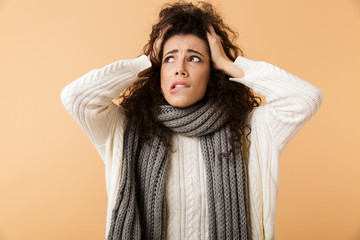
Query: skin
[(219, 58), (187, 67), (185, 70)]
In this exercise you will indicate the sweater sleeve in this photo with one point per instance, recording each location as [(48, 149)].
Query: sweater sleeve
[(291, 101), (88, 99)]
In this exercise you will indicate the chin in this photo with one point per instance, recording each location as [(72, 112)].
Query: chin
[(180, 104), (182, 101)]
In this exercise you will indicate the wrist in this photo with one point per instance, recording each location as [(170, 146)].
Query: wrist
[(231, 69), (223, 64)]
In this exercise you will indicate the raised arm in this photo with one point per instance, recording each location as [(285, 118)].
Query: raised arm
[(291, 101), (89, 98)]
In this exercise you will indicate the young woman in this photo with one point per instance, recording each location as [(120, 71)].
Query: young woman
[(190, 153)]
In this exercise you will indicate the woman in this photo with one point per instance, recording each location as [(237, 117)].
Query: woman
[(190, 153)]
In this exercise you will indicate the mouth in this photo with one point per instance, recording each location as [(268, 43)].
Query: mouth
[(177, 85)]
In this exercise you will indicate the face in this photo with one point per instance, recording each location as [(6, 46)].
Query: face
[(185, 70)]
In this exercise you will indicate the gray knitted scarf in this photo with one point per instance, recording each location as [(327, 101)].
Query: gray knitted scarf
[(139, 211)]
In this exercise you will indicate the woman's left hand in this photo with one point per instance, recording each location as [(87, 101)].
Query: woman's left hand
[(218, 55)]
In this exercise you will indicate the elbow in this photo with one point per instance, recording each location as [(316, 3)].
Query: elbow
[(320, 97), (63, 96), (310, 103), (67, 98), (314, 100), (303, 107)]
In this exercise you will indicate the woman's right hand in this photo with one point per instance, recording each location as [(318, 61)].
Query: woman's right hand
[(158, 42), (156, 49)]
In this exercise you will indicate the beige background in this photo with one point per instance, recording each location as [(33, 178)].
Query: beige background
[(52, 182)]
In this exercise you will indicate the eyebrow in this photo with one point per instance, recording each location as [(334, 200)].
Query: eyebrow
[(187, 50)]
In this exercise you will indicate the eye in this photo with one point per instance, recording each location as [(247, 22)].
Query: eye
[(195, 59), (169, 59)]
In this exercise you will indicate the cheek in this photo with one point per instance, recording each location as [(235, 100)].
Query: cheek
[(162, 80), (205, 78), (204, 87)]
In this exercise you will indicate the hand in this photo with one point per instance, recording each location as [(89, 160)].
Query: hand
[(154, 55), (218, 56), (158, 42)]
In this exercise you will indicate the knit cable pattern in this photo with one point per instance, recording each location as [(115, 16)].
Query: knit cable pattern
[(140, 212)]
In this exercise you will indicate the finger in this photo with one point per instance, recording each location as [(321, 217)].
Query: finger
[(160, 38), (163, 32), (208, 35), (211, 30), (212, 37)]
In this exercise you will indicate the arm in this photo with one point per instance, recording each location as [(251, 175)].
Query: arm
[(89, 98), (291, 101)]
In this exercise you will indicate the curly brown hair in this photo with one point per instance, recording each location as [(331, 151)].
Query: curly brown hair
[(143, 98)]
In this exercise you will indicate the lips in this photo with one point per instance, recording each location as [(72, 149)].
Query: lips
[(177, 85)]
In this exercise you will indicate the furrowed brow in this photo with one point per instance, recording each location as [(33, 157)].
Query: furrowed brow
[(192, 50), (172, 51), (187, 50)]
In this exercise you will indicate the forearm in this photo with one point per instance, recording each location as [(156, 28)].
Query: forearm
[(89, 98), (291, 101), (104, 84), (231, 69), (275, 83)]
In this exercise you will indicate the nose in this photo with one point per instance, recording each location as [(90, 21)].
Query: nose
[(181, 71)]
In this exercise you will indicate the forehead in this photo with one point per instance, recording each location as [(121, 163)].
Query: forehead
[(183, 42)]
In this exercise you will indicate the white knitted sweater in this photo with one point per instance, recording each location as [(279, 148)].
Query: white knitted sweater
[(290, 104)]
